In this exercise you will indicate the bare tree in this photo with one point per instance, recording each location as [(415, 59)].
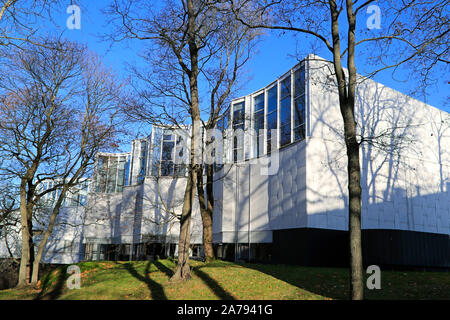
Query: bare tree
[(8, 213), (20, 20), (413, 31), (190, 41), (58, 110)]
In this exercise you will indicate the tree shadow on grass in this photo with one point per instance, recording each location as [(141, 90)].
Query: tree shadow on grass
[(210, 282), (164, 269), (327, 282), (156, 290), (220, 292), (52, 290)]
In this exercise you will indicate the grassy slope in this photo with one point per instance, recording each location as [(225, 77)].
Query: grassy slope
[(225, 280)]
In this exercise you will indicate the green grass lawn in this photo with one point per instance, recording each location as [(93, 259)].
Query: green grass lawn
[(226, 280)]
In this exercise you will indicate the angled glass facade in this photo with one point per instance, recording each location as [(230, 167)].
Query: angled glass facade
[(111, 172), (280, 106), (75, 197), (168, 153), (246, 129)]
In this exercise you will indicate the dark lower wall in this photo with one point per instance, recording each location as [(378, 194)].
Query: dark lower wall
[(259, 252), (310, 247), (324, 247), (406, 248)]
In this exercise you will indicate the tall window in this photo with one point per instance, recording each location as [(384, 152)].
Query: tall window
[(121, 173), (272, 97), (111, 174), (167, 165), (180, 156), (299, 104), (238, 131), (258, 123), (222, 125), (142, 161), (285, 111), (156, 151)]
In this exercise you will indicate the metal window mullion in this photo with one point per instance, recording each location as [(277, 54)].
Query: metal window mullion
[(131, 168), (266, 103), (150, 155), (161, 145), (117, 174), (307, 94), (292, 105), (252, 126), (107, 176), (174, 152), (278, 113)]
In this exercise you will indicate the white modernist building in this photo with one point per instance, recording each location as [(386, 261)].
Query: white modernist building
[(281, 193)]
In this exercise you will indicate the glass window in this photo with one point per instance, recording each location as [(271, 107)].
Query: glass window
[(272, 97), (142, 161), (167, 151), (285, 89), (121, 174), (83, 199), (299, 104), (112, 175), (285, 111), (181, 156), (167, 165), (258, 123), (156, 151), (74, 199), (238, 114), (102, 171), (299, 83), (259, 102), (238, 131), (167, 168), (222, 123)]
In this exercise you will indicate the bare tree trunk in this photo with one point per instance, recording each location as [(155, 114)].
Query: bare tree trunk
[(27, 241), (183, 271), (43, 242), (346, 92), (354, 167), (206, 209)]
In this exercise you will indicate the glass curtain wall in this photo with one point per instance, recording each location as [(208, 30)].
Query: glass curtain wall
[(238, 131), (285, 111), (299, 104), (75, 196), (258, 123), (280, 106), (271, 118), (111, 173), (168, 153)]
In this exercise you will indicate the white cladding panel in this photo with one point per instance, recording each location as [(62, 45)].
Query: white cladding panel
[(248, 200), (405, 187)]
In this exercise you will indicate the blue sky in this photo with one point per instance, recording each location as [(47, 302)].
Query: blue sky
[(274, 54)]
